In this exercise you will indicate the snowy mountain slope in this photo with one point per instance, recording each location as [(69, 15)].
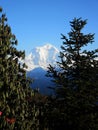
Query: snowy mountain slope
[(42, 57), (37, 61)]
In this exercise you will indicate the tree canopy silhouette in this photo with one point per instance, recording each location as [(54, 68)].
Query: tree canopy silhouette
[(76, 80), (17, 109)]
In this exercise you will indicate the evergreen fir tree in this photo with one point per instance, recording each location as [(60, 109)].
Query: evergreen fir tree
[(17, 109), (76, 80)]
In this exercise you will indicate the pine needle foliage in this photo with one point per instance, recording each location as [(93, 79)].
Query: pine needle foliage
[(17, 109), (76, 81)]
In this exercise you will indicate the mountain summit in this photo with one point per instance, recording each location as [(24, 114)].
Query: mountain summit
[(42, 56), (37, 61)]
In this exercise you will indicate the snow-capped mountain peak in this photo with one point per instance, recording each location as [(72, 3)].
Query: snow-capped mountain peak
[(42, 56)]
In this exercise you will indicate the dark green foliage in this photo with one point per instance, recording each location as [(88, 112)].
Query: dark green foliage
[(76, 81), (75, 103), (18, 111)]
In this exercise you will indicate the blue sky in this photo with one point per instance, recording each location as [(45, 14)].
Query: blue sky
[(37, 22)]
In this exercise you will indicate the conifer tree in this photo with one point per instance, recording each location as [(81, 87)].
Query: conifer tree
[(17, 110), (76, 80)]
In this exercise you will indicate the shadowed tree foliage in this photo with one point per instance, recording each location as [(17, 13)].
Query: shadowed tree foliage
[(75, 105), (17, 109)]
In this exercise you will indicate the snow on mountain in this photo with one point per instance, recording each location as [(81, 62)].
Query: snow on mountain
[(37, 61), (42, 56)]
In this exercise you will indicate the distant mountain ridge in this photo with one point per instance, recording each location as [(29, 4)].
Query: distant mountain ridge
[(42, 56), (37, 61)]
